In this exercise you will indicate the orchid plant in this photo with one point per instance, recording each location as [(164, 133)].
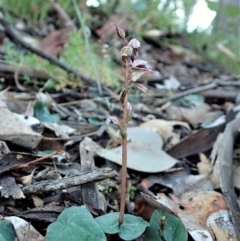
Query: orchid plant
[(134, 68), (76, 220)]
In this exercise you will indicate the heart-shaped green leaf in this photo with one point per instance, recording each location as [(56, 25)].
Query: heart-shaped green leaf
[(75, 224), (7, 232), (164, 226), (109, 223), (131, 228)]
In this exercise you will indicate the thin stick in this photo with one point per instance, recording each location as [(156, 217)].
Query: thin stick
[(63, 15), (38, 160), (188, 92)]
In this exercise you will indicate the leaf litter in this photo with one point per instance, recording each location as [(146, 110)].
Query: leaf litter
[(57, 149)]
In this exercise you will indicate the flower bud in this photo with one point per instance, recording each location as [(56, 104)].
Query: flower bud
[(120, 32), (126, 51), (134, 43), (113, 119)]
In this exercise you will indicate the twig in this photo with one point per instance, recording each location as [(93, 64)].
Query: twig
[(29, 108), (199, 89), (19, 86), (63, 15), (67, 182), (221, 94), (78, 137), (187, 92), (14, 35), (225, 158), (37, 160)]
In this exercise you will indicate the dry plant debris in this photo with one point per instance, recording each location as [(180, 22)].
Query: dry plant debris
[(58, 149)]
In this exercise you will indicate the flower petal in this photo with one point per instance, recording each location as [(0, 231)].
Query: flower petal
[(134, 43), (114, 119), (126, 51), (139, 62), (142, 87)]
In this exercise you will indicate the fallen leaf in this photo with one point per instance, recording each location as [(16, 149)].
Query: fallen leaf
[(198, 142), (54, 42), (195, 209), (195, 114), (10, 188), (179, 182), (236, 175), (163, 127), (15, 130), (144, 152), (60, 130), (204, 166), (222, 226), (24, 230), (38, 202), (43, 113), (26, 180), (138, 134), (13, 160)]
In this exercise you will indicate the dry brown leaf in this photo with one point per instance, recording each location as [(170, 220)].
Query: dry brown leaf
[(38, 202), (26, 180), (197, 142), (195, 209), (54, 42)]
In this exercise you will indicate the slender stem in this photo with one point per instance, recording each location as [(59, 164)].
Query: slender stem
[(124, 152)]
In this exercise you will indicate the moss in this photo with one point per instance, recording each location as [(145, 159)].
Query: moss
[(73, 54)]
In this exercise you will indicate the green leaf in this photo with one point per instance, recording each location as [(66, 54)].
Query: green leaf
[(164, 226), (75, 224), (7, 231), (43, 113), (131, 228), (109, 223)]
